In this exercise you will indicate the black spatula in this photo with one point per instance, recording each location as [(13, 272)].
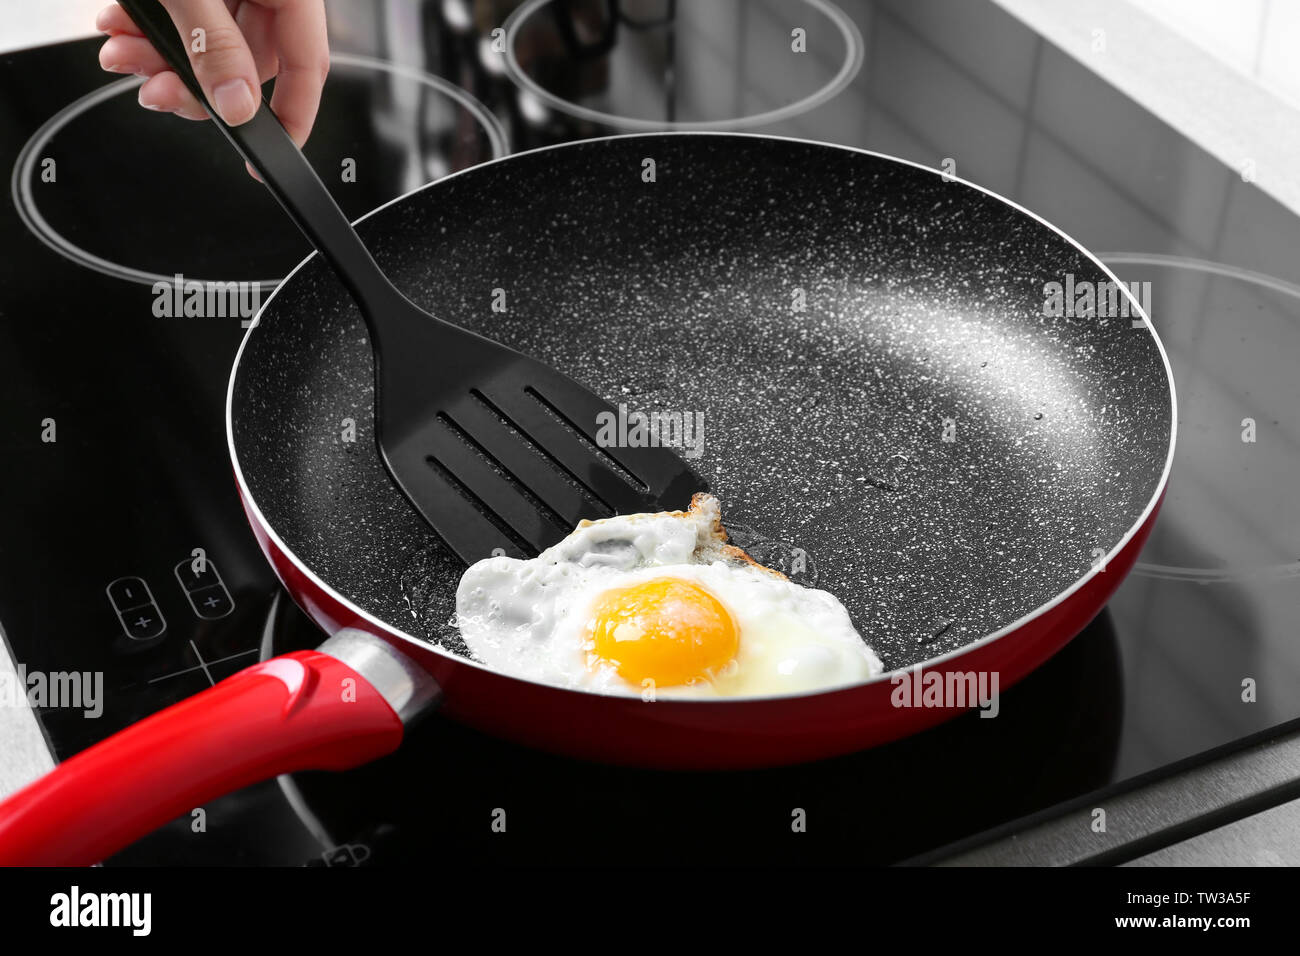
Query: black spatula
[(495, 449)]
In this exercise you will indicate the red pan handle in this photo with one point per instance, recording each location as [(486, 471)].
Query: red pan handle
[(302, 711)]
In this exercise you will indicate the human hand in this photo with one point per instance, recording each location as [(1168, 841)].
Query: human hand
[(246, 43)]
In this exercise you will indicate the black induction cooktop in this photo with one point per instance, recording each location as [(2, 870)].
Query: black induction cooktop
[(1197, 650)]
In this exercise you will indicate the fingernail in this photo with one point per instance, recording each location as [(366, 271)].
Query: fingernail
[(234, 101), (149, 106), (122, 68)]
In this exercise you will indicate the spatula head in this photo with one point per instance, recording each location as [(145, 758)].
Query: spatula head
[(501, 453)]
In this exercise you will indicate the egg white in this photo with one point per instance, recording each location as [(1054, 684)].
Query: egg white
[(529, 618)]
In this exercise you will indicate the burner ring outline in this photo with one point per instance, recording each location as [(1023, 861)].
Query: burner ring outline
[(848, 70), (1173, 572), (24, 166)]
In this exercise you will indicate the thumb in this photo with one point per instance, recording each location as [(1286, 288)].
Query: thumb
[(220, 56)]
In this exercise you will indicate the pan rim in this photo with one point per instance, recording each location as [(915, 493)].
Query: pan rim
[(385, 627)]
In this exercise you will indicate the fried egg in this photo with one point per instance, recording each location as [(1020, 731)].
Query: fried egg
[(661, 603)]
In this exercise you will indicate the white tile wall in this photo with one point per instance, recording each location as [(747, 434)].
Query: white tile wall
[(1279, 60), (1230, 29), (1260, 38)]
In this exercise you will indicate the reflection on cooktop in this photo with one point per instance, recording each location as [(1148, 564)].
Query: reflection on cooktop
[(1211, 604), (878, 806), (706, 64)]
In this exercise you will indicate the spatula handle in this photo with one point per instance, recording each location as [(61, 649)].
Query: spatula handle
[(264, 142)]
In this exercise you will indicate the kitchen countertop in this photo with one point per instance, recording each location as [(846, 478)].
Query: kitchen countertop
[(26, 752)]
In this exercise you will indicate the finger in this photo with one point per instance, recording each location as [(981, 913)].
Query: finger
[(303, 45), (113, 20), (129, 54), (257, 24), (224, 66), (167, 93)]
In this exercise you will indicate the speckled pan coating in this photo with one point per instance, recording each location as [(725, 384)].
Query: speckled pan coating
[(824, 429)]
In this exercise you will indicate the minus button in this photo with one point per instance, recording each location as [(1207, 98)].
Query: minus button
[(126, 593)]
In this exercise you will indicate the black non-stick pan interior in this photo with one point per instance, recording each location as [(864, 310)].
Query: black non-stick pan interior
[(920, 439)]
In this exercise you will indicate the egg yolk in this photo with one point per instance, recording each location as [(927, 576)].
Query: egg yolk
[(665, 630)]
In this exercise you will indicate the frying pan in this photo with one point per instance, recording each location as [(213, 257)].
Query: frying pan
[(890, 413)]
